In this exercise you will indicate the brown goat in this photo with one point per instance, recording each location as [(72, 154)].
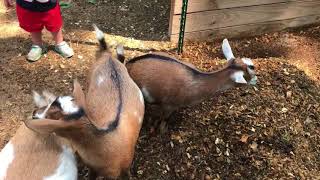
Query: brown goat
[(171, 84), (103, 126), (30, 155)]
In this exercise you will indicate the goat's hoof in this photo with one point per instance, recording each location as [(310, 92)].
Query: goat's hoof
[(152, 130)]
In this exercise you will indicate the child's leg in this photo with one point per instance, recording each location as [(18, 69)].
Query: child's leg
[(57, 36), (37, 49), (32, 23), (54, 24), (61, 46), (36, 38)]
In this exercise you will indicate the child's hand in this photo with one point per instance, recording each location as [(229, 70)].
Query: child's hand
[(8, 3)]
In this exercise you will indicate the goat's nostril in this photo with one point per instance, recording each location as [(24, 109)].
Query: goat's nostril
[(34, 116)]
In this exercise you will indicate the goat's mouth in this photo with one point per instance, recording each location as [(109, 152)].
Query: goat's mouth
[(36, 115), (253, 80)]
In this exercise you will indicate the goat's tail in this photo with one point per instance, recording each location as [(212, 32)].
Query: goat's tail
[(101, 39), (120, 53)]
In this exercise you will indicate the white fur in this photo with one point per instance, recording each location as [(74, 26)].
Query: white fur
[(141, 97), (67, 104), (6, 158), (142, 101), (100, 80), (226, 49), (99, 33), (42, 1), (147, 95), (137, 115), (49, 97), (140, 119), (120, 50), (67, 169), (247, 61), (43, 114), (238, 77), (251, 72)]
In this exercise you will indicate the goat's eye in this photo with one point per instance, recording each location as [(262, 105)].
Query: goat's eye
[(251, 67)]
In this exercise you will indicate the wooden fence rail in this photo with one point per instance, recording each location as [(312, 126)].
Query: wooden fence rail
[(211, 19)]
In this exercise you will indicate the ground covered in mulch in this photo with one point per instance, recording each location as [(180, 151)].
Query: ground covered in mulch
[(269, 131)]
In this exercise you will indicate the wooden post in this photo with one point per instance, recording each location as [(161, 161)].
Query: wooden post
[(173, 6)]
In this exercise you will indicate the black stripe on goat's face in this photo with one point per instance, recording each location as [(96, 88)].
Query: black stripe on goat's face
[(63, 107)]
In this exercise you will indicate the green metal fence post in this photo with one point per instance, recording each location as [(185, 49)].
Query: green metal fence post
[(182, 25)]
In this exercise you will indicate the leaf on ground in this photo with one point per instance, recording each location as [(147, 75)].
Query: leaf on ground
[(244, 138), (92, 1), (254, 146)]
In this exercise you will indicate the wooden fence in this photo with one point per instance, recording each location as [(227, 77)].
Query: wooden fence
[(211, 19)]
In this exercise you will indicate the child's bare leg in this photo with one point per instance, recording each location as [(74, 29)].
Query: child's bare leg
[(57, 36), (36, 38)]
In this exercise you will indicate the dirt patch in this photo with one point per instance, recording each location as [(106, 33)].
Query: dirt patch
[(142, 19), (270, 131)]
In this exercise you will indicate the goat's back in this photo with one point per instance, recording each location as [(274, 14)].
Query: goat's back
[(161, 77), (112, 93), (35, 157)]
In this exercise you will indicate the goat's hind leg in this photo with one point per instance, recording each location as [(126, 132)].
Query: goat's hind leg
[(166, 113)]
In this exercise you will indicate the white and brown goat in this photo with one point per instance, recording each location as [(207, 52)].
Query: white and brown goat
[(105, 122), (30, 155), (172, 84)]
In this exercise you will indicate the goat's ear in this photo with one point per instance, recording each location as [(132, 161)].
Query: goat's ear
[(120, 53), (226, 49), (39, 100), (247, 61), (48, 96), (47, 126), (78, 94)]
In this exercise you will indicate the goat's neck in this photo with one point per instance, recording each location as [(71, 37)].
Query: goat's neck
[(208, 84)]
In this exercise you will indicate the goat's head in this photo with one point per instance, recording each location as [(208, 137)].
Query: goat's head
[(57, 113), (243, 69)]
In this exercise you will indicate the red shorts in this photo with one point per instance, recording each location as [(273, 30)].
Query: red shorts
[(35, 21)]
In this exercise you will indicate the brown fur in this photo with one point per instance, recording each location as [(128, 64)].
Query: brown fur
[(110, 154), (35, 156), (172, 84)]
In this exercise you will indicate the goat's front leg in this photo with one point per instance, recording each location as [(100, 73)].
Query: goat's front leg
[(126, 175), (92, 175)]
